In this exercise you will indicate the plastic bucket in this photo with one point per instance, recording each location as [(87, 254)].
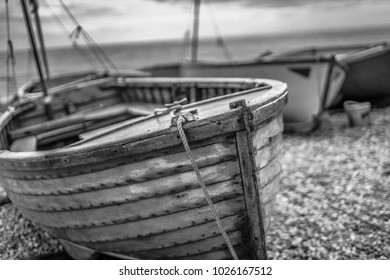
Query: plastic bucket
[(357, 112)]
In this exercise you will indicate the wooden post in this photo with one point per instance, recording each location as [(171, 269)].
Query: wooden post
[(250, 184)]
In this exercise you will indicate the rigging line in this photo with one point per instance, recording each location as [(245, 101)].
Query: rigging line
[(67, 34), (79, 31), (102, 53), (220, 41), (99, 52)]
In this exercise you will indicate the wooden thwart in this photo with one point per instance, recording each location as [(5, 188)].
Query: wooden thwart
[(102, 114), (25, 144)]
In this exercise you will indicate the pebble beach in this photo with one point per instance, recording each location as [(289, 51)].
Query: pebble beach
[(333, 203)]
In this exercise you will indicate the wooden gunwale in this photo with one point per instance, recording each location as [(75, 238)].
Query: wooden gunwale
[(165, 138)]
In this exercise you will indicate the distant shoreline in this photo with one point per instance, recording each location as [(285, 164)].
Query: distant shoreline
[(321, 32)]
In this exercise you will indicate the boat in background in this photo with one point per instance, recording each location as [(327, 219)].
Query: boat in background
[(313, 82), (367, 70)]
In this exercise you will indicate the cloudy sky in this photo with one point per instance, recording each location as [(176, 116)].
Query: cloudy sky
[(139, 20)]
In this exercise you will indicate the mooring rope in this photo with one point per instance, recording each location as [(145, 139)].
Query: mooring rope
[(190, 156)]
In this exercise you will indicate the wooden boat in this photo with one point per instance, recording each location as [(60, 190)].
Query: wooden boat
[(110, 175), (368, 69), (313, 82), (67, 79)]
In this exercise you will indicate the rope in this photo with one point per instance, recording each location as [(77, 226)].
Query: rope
[(100, 54), (220, 41), (190, 156), (68, 34)]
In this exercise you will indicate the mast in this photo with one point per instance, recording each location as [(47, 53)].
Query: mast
[(30, 31), (195, 31), (33, 45), (35, 11)]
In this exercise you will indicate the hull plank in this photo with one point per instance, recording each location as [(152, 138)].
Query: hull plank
[(128, 192), (173, 238), (145, 227), (60, 182), (141, 209)]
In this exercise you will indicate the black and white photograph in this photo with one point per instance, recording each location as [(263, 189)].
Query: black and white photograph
[(195, 130)]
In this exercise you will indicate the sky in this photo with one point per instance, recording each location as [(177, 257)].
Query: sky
[(144, 20)]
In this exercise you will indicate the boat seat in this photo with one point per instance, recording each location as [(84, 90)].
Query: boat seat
[(136, 109), (25, 144)]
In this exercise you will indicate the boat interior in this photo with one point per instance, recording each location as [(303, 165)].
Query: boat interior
[(82, 111)]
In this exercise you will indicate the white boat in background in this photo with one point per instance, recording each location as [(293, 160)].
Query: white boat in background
[(313, 82), (368, 70)]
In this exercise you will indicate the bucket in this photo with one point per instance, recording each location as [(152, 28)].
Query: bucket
[(357, 112)]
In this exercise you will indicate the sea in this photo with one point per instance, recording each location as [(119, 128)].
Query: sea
[(134, 55)]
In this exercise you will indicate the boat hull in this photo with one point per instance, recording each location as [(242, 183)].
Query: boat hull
[(139, 197), (367, 70)]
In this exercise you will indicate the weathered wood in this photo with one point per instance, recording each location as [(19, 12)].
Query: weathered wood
[(267, 153), (267, 210), (25, 144), (268, 173), (190, 248), (134, 191), (270, 190), (252, 196), (127, 192), (117, 174), (131, 211), (143, 138), (172, 238), (102, 114), (262, 135), (145, 227), (78, 252), (243, 251)]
